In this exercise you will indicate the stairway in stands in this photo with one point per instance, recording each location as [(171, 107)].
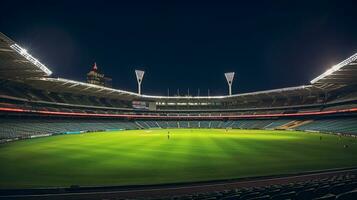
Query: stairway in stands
[(294, 124)]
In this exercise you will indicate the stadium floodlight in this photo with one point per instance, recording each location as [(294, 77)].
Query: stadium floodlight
[(335, 68), (30, 58), (139, 78), (229, 78)]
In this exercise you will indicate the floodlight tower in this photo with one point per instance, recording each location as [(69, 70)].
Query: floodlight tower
[(139, 78), (229, 78)]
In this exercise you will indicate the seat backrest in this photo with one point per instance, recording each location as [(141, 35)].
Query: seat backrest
[(306, 194), (288, 195), (321, 191), (327, 197), (352, 195)]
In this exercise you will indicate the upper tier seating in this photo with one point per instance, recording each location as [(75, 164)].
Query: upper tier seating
[(26, 94)]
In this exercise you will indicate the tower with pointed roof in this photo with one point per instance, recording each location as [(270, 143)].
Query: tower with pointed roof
[(97, 78)]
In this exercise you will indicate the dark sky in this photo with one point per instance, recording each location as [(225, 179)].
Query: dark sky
[(269, 44)]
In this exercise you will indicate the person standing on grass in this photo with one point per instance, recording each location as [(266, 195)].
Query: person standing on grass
[(168, 135)]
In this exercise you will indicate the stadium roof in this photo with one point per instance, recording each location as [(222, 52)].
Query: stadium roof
[(339, 75), (17, 64), (76, 87)]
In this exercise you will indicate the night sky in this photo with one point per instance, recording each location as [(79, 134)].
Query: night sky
[(269, 44)]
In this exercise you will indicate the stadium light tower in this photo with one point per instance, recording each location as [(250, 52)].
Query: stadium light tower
[(139, 78), (229, 78)]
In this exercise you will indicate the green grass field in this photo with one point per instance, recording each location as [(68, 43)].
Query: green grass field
[(149, 157)]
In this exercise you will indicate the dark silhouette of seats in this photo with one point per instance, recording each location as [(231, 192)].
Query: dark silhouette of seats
[(321, 191), (250, 195), (283, 196), (306, 194), (327, 197), (338, 189), (231, 197), (264, 197), (210, 198), (352, 195), (273, 192), (342, 188)]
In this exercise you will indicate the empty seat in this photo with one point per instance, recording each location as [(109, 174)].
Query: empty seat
[(287, 195), (352, 195), (306, 194), (327, 197)]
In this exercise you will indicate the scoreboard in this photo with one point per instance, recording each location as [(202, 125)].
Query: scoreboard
[(144, 105)]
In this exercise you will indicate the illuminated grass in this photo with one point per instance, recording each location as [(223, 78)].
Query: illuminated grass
[(148, 157)]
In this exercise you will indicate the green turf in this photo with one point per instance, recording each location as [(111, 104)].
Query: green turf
[(148, 157)]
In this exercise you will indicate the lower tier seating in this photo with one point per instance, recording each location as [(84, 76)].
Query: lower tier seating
[(345, 126), (16, 128)]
